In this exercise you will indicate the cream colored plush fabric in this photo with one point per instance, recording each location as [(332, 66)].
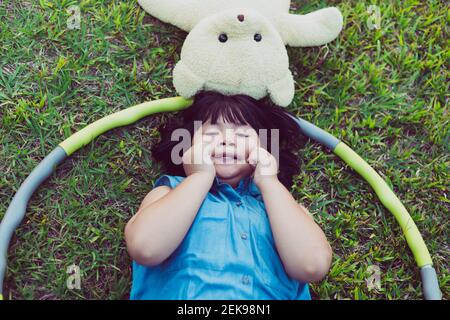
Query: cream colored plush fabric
[(241, 65)]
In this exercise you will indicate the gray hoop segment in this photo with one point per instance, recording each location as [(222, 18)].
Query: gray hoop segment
[(18, 206)]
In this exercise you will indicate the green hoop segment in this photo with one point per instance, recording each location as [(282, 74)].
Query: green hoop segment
[(122, 118), (389, 200)]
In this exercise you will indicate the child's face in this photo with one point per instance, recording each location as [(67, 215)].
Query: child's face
[(232, 146)]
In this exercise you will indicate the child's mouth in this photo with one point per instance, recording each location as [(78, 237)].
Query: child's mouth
[(225, 159)]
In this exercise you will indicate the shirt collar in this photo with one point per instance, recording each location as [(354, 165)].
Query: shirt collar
[(245, 186)]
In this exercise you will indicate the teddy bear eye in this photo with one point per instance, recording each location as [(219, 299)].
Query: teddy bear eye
[(223, 37), (257, 37)]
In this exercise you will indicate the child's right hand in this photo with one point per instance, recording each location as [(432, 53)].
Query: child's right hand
[(197, 159)]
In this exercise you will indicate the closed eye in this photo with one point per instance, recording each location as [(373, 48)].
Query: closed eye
[(243, 135)]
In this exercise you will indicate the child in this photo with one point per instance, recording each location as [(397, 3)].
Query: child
[(222, 223)]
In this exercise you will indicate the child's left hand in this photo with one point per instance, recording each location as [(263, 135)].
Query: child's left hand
[(266, 165)]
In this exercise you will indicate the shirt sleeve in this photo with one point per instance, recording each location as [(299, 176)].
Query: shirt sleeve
[(303, 292), (167, 180)]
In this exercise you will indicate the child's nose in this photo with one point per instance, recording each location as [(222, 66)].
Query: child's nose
[(227, 142)]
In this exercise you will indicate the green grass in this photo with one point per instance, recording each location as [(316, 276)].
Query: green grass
[(384, 92)]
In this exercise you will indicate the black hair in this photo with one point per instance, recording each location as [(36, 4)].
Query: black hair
[(241, 110)]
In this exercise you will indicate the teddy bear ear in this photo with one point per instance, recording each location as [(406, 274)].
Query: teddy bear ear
[(180, 13), (312, 29), (282, 91), (185, 81)]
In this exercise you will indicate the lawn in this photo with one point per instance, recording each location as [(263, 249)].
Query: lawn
[(385, 92)]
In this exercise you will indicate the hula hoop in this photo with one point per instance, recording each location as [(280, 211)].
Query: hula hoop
[(17, 208)]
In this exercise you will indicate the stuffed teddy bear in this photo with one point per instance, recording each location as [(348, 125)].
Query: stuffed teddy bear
[(239, 46)]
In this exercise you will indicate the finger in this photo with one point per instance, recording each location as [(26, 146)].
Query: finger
[(208, 148), (252, 159), (265, 158)]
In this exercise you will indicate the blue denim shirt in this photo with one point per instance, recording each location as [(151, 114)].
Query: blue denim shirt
[(228, 253)]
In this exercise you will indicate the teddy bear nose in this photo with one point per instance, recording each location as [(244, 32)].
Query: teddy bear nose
[(240, 17)]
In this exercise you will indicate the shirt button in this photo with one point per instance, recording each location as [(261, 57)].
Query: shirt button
[(239, 203), (244, 236), (245, 280)]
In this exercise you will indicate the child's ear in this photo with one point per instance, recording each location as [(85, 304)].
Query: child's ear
[(185, 81), (282, 91), (312, 29)]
